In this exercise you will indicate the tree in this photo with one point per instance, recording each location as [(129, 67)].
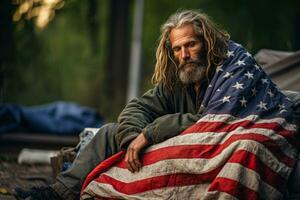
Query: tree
[(6, 41), (117, 62)]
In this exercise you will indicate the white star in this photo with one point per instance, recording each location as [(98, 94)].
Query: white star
[(249, 75), (226, 99), (254, 91), (264, 80), (262, 105), (240, 62), (227, 75), (284, 110), (210, 85), (238, 85), (248, 54), (218, 90), (219, 68), (270, 93), (238, 45), (229, 54), (257, 67), (281, 106), (243, 102)]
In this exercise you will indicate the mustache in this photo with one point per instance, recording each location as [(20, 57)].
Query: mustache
[(196, 62)]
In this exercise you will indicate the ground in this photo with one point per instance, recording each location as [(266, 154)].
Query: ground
[(14, 175)]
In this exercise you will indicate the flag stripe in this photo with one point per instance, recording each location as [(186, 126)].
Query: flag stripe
[(210, 151), (254, 162), (181, 192), (243, 154), (229, 119), (203, 127), (220, 137), (249, 179), (231, 187), (158, 182), (198, 165)]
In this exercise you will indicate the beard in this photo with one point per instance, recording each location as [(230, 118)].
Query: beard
[(191, 71)]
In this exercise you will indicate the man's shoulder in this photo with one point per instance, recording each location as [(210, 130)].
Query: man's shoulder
[(237, 57)]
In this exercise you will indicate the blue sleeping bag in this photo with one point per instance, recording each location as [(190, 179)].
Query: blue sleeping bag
[(58, 118)]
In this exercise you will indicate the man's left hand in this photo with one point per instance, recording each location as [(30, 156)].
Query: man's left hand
[(132, 154)]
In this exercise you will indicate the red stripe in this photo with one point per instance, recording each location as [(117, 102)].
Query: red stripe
[(102, 167), (251, 161), (203, 127), (242, 157), (233, 188), (158, 182), (210, 151)]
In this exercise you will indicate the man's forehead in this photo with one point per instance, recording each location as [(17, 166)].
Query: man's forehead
[(182, 34)]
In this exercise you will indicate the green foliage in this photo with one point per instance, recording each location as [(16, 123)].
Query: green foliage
[(56, 63)]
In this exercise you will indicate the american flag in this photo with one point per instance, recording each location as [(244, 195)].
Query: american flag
[(243, 146)]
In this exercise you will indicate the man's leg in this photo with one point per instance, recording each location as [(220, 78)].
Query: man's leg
[(68, 183)]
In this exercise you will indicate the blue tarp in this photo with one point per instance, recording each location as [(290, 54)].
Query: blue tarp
[(58, 118)]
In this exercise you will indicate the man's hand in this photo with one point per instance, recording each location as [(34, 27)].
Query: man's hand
[(132, 154)]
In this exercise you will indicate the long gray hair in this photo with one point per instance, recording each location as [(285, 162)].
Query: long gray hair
[(215, 44)]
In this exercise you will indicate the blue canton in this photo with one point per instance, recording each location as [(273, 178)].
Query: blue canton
[(240, 88)]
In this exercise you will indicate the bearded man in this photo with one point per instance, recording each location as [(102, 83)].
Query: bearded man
[(199, 74)]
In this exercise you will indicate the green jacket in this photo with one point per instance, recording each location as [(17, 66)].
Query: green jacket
[(160, 114)]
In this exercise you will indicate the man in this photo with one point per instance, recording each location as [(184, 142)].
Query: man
[(189, 56)]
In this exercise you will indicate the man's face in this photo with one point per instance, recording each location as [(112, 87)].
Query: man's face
[(186, 47)]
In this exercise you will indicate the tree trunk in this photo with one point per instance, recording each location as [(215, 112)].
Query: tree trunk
[(117, 63), (93, 25), (6, 43)]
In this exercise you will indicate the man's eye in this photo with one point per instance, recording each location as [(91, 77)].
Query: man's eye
[(176, 49), (191, 44)]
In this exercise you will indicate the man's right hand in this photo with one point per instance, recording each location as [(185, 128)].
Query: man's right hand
[(132, 155)]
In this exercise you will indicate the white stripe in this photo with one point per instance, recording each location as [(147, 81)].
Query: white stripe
[(200, 166), (212, 195), (211, 138), (182, 192), (251, 179), (229, 119)]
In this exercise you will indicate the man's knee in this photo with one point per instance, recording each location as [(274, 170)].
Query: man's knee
[(109, 128), (106, 135), (97, 138)]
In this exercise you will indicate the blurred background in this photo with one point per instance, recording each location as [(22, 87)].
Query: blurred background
[(81, 51)]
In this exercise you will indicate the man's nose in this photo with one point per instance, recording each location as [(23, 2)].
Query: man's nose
[(185, 54)]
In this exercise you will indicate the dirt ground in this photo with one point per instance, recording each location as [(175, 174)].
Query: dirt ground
[(14, 175), (25, 176)]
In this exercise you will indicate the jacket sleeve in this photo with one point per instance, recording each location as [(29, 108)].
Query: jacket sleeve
[(155, 116), (141, 112), (168, 126)]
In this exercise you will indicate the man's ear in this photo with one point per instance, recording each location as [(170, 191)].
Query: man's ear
[(168, 45), (171, 57)]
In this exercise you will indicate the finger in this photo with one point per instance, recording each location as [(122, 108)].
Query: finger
[(128, 166), (131, 160), (130, 163), (136, 160)]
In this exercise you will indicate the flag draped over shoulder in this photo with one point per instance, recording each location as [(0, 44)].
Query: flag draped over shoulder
[(243, 146)]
